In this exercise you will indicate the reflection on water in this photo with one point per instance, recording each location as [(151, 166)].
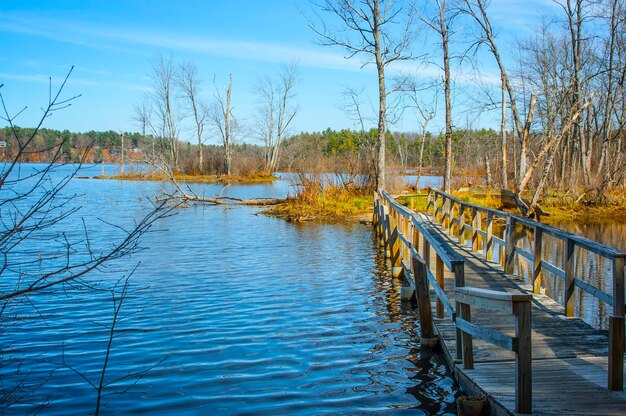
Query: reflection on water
[(253, 315)]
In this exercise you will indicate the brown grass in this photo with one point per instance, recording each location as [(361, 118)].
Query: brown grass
[(333, 204)]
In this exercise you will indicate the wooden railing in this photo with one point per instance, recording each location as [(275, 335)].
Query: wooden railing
[(504, 302), (443, 211), (402, 233)]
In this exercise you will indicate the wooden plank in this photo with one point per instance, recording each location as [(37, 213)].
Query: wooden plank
[(441, 295), (494, 295), (594, 291), (553, 269), (525, 254), (441, 246), (494, 337)]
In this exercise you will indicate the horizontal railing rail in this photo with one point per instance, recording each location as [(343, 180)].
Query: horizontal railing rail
[(445, 207)]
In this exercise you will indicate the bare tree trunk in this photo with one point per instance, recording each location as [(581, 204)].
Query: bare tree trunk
[(189, 84), (382, 100), (505, 183), (227, 129), (447, 175), (482, 19), (122, 149), (368, 22)]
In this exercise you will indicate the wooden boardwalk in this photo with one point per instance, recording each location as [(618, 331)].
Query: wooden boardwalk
[(569, 357), (569, 369)]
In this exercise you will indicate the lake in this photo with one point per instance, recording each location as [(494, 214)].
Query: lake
[(229, 312)]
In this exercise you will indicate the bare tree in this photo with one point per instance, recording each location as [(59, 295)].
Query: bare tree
[(366, 28), (163, 95), (277, 111), (440, 24), (35, 206), (142, 117), (189, 85), (356, 110), (477, 10), (412, 93), (222, 119)]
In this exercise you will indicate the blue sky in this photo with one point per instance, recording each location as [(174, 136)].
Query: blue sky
[(113, 43)]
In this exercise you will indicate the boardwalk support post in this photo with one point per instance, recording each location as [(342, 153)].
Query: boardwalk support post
[(394, 244), (386, 232), (459, 281), (570, 275), (489, 242), (616, 328), (461, 224), (509, 252), (476, 220), (427, 330), (523, 358), (441, 283), (536, 277)]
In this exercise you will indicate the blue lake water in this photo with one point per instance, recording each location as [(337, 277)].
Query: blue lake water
[(243, 313)]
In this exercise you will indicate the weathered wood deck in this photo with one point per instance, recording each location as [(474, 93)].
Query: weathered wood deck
[(570, 359)]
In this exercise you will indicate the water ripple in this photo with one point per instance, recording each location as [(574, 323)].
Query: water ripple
[(250, 314)]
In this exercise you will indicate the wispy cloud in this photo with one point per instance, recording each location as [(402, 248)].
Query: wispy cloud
[(135, 40), (44, 79), (97, 36)]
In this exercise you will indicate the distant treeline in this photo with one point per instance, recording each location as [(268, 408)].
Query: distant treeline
[(346, 150)]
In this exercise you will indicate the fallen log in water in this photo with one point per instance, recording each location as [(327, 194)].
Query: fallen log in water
[(218, 200)]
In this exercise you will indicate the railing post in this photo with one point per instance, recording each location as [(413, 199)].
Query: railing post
[(394, 244), (416, 239), (489, 242), (422, 291), (523, 357), (467, 343), (445, 221), (441, 283), (616, 328), (461, 224), (570, 276), (426, 252), (386, 232), (537, 275), (407, 233), (429, 198), (435, 207), (375, 216), (509, 252), (459, 281), (476, 225)]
